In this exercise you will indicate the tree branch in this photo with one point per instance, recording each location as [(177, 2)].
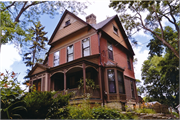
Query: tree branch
[(161, 39), (9, 6), (24, 8), (162, 33), (21, 11)]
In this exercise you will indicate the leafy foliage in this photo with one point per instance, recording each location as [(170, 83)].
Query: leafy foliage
[(12, 103), (148, 16), (90, 84), (42, 105), (145, 110)]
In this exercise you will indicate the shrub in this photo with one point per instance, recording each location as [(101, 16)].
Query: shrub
[(145, 110), (41, 105), (12, 104), (176, 114), (107, 113)]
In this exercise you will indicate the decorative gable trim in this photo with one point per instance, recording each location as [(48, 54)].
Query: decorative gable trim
[(60, 22)]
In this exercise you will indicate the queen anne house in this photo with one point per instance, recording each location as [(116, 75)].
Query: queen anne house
[(88, 50)]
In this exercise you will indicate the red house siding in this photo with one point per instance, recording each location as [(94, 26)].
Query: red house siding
[(104, 53), (121, 58), (94, 44), (63, 55), (77, 50), (50, 59)]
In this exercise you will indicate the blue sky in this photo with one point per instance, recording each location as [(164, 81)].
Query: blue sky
[(11, 60)]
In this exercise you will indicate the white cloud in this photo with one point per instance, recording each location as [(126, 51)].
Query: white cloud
[(9, 54), (141, 56), (100, 8)]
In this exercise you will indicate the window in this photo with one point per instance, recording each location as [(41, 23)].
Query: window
[(115, 30), (56, 58), (69, 53), (85, 47), (120, 82), (128, 62), (110, 51), (132, 89), (111, 79), (67, 23)]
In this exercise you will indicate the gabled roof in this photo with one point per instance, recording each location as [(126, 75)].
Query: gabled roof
[(105, 22), (97, 27), (61, 20), (102, 23), (37, 65)]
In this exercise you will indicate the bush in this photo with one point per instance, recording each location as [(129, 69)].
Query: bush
[(41, 105), (12, 104), (176, 114), (145, 110)]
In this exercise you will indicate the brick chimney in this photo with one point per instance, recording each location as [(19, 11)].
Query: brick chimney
[(91, 19)]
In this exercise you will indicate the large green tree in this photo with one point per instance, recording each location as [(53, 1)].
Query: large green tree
[(148, 15), (160, 72)]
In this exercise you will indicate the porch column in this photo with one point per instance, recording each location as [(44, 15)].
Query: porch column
[(64, 81), (84, 76), (100, 83)]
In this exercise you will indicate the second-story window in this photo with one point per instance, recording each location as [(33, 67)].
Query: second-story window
[(111, 79), (85, 47), (70, 53), (128, 62), (56, 58), (110, 51)]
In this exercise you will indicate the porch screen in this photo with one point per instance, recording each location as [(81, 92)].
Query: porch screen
[(111, 79), (86, 47), (120, 82), (70, 53)]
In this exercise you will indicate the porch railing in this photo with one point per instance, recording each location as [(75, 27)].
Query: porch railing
[(78, 93)]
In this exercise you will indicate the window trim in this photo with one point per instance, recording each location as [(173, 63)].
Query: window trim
[(86, 47), (115, 30), (70, 53), (69, 23), (108, 43), (56, 59), (121, 82)]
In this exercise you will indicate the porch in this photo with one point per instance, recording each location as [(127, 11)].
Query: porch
[(72, 80)]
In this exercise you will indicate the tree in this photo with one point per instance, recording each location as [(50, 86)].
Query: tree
[(37, 43), (132, 16), (17, 16)]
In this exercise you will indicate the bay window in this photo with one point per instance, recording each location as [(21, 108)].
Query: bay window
[(111, 81), (120, 82)]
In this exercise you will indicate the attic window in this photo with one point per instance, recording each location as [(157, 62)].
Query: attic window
[(67, 23), (115, 30)]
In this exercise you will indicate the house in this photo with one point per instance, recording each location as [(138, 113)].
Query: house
[(97, 51)]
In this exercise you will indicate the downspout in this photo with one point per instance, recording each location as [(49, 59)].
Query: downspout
[(99, 36)]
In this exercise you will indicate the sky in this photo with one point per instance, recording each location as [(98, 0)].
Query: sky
[(11, 60)]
